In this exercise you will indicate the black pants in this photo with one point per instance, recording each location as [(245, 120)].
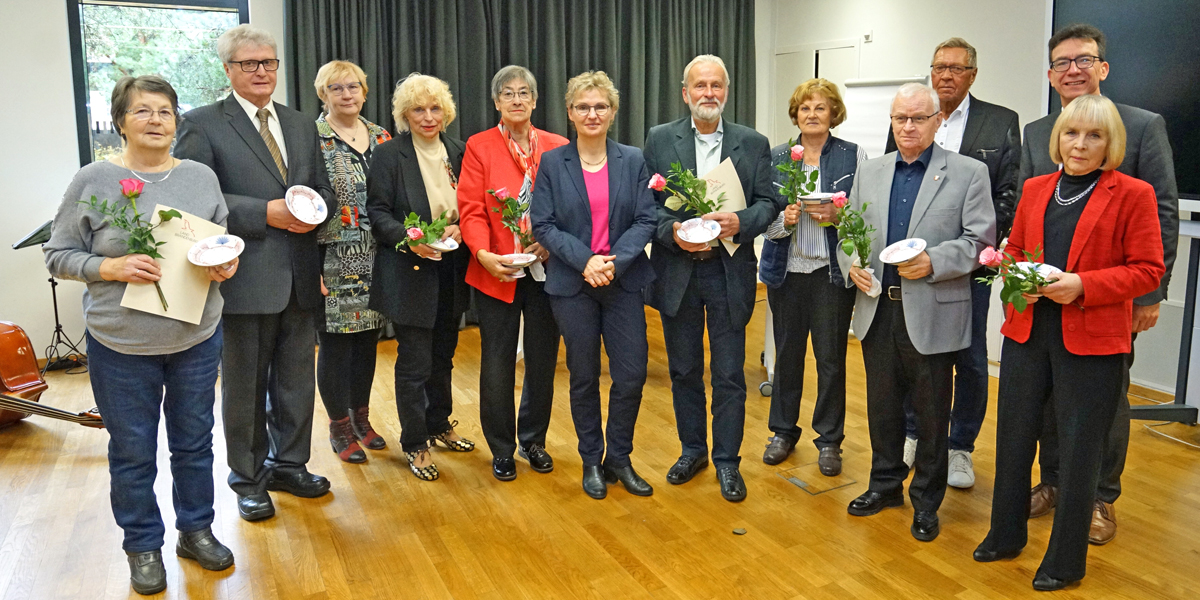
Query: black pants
[(424, 360), (267, 394), (895, 369), (499, 328), (617, 317), (1084, 392), (345, 370), (1116, 442), (808, 303), (706, 301)]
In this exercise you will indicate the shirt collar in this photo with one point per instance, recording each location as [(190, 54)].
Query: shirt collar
[(252, 110), (924, 158), (963, 107), (719, 132)]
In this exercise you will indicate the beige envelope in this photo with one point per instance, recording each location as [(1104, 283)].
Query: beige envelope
[(184, 285), (724, 178)]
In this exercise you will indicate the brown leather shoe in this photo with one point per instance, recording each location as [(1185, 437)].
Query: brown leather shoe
[(1104, 523), (778, 449), (1042, 499), (830, 461)]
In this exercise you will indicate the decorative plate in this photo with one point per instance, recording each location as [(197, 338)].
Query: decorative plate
[(817, 198), (445, 245), (699, 231), (305, 204), (216, 250), (902, 251), (519, 261)]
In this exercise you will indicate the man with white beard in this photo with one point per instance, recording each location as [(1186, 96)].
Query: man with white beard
[(704, 282)]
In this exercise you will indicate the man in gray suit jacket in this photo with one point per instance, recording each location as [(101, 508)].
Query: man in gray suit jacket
[(696, 283), (991, 134), (1077, 67), (258, 149), (912, 329)]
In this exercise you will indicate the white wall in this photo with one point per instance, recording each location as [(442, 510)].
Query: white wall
[(42, 155)]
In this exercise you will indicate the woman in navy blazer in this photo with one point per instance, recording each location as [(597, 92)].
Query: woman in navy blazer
[(593, 211)]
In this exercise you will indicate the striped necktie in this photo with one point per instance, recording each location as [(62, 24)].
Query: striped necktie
[(272, 146)]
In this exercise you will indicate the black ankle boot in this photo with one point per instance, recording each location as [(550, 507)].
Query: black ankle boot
[(146, 572), (203, 548)]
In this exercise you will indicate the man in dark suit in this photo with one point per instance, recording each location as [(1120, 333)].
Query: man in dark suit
[(258, 149), (1077, 67), (699, 282), (991, 134)]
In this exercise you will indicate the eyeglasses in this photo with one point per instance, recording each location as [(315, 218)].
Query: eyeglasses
[(900, 121), (250, 66), (1083, 62), (955, 69), (583, 109), (508, 95), (143, 114), (337, 88)]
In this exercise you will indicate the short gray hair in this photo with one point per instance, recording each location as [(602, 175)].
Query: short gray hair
[(510, 73), (241, 36), (911, 90), (957, 42), (706, 58)]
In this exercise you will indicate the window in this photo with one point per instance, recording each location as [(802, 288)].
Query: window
[(174, 39)]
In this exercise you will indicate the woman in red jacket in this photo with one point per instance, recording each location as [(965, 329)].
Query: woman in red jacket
[(1101, 228), (506, 157)]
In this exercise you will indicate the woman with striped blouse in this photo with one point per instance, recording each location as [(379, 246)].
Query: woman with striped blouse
[(806, 290)]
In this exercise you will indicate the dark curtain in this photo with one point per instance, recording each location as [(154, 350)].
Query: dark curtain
[(643, 45)]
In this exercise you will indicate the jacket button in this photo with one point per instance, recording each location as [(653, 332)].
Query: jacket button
[(1070, 328), (418, 268)]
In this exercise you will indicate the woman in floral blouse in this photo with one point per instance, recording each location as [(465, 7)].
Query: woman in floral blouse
[(346, 361)]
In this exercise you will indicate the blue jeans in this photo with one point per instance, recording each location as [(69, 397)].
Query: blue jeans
[(970, 377), (129, 390)]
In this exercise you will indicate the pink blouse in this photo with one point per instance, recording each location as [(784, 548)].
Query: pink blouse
[(597, 191)]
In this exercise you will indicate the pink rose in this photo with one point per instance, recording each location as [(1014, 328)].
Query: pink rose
[(797, 153), (415, 233), (839, 199), (658, 183), (131, 188), (990, 257), (502, 194)]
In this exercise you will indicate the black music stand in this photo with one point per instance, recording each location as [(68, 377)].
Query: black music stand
[(74, 360)]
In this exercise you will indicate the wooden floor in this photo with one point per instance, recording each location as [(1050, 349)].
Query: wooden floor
[(382, 533)]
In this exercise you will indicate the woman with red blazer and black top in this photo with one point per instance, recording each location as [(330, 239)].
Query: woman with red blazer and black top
[(419, 289), (507, 157), (1066, 347)]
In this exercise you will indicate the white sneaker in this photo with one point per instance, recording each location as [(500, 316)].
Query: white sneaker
[(910, 451), (962, 470)]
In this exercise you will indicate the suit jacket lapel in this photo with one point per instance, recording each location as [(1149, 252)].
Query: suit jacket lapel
[(249, 132), (1036, 236), (975, 119), (879, 211), (293, 139), (616, 177), (935, 174), (685, 145), (730, 142), (1096, 205), (414, 185)]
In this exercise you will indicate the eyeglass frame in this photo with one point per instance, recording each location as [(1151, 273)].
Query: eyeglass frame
[(600, 112), (170, 114), (337, 88), (1067, 62), (915, 121), (525, 95), (940, 69), (257, 64)]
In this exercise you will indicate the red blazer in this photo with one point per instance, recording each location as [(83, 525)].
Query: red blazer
[(1117, 252), (488, 165)]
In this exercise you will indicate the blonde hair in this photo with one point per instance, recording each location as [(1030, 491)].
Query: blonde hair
[(822, 87), (705, 58), (337, 70), (1097, 111), (593, 80), (242, 36), (417, 89)]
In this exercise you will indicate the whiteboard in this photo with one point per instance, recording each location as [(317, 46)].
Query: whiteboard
[(868, 109)]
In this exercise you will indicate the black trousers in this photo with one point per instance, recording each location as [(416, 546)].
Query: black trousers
[(424, 360), (895, 369), (1084, 392), (1116, 442), (808, 303), (499, 328), (267, 394), (345, 370), (617, 317), (706, 302)]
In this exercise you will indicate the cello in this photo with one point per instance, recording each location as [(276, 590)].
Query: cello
[(21, 383)]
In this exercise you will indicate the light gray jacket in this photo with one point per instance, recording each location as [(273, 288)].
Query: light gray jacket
[(953, 213)]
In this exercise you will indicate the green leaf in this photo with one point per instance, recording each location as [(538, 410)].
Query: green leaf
[(167, 215), (848, 247), (1019, 303)]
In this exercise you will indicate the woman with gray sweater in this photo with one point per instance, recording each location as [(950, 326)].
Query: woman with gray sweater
[(141, 364)]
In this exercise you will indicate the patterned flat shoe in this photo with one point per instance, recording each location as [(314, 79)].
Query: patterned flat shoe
[(428, 473), (361, 424), (460, 445)]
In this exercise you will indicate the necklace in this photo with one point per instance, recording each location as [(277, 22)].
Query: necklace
[(353, 138), (1069, 201), (143, 179), (594, 164)]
